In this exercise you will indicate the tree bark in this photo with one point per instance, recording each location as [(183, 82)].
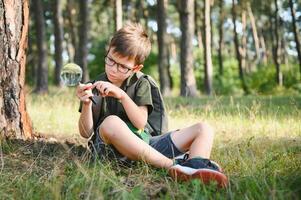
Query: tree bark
[(296, 33), (71, 27), (188, 83), (14, 120), (83, 38), (198, 26), (118, 14), (221, 37), (277, 47), (237, 51), (42, 74), (207, 53), (263, 49), (163, 47), (254, 32), (58, 40), (243, 46)]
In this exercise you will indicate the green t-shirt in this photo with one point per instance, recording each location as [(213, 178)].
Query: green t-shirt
[(111, 106)]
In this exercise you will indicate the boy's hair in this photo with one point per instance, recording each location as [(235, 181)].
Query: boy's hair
[(132, 41)]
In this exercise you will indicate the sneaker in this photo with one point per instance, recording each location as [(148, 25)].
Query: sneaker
[(198, 168)]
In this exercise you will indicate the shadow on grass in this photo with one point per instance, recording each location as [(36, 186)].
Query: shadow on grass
[(258, 168)]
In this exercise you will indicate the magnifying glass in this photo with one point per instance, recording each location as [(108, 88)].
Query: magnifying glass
[(71, 75)]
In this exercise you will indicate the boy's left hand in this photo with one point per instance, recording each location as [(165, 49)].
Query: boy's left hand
[(108, 89)]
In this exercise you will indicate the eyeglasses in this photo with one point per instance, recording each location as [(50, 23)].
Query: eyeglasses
[(120, 67)]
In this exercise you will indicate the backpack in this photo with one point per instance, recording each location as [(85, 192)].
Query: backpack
[(157, 122)]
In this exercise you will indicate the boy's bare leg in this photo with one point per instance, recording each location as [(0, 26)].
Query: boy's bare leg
[(198, 139), (115, 131)]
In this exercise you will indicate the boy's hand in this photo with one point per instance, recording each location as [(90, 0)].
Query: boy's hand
[(84, 91), (108, 89)]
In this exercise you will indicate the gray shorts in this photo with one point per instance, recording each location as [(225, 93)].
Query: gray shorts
[(162, 143)]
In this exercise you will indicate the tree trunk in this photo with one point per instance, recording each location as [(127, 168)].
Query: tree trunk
[(14, 120), (58, 40), (238, 55), (254, 32), (42, 75), (83, 38), (71, 27), (188, 83), (163, 48), (296, 33), (263, 49), (118, 14), (221, 36), (277, 47), (243, 48), (207, 53), (198, 26)]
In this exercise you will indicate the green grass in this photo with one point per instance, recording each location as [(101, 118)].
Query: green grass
[(258, 143)]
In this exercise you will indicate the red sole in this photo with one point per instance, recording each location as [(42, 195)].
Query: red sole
[(206, 176)]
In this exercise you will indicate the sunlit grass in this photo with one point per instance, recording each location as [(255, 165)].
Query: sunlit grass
[(258, 143)]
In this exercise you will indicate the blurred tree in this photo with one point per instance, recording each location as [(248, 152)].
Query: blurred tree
[(254, 31), (70, 29), (188, 83), (42, 73), (14, 119), (221, 36), (198, 23), (58, 40), (163, 48), (118, 14), (277, 45), (83, 32), (238, 51), (207, 53), (295, 31)]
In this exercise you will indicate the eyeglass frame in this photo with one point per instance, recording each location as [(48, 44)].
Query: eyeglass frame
[(118, 64)]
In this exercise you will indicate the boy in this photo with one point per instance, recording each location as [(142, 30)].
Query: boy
[(120, 115)]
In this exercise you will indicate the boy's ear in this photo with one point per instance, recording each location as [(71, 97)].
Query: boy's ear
[(138, 68)]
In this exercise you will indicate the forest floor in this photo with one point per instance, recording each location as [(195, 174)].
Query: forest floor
[(257, 142)]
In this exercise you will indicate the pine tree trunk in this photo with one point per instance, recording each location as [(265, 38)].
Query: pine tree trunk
[(198, 25), (296, 33), (237, 51), (118, 14), (58, 40), (263, 49), (188, 83), (83, 31), (71, 28), (163, 48), (42, 74), (221, 36), (243, 48), (14, 120), (277, 47), (207, 53), (254, 32)]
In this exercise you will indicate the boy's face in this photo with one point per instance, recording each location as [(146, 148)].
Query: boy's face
[(119, 68)]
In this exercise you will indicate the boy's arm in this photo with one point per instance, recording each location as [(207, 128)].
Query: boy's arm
[(136, 114), (85, 122)]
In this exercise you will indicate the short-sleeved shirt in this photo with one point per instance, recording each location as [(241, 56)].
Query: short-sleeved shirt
[(111, 106)]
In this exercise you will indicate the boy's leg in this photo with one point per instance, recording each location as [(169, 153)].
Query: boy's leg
[(115, 131), (196, 139)]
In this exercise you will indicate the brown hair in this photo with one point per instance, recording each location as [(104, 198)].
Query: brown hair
[(131, 41)]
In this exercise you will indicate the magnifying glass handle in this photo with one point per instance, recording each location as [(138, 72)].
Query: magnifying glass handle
[(94, 102)]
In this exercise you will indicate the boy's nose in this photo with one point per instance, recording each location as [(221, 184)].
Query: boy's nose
[(114, 68)]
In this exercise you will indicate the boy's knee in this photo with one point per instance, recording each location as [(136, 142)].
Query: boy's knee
[(204, 128), (109, 125)]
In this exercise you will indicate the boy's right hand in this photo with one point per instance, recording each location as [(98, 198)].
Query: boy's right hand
[(83, 92)]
